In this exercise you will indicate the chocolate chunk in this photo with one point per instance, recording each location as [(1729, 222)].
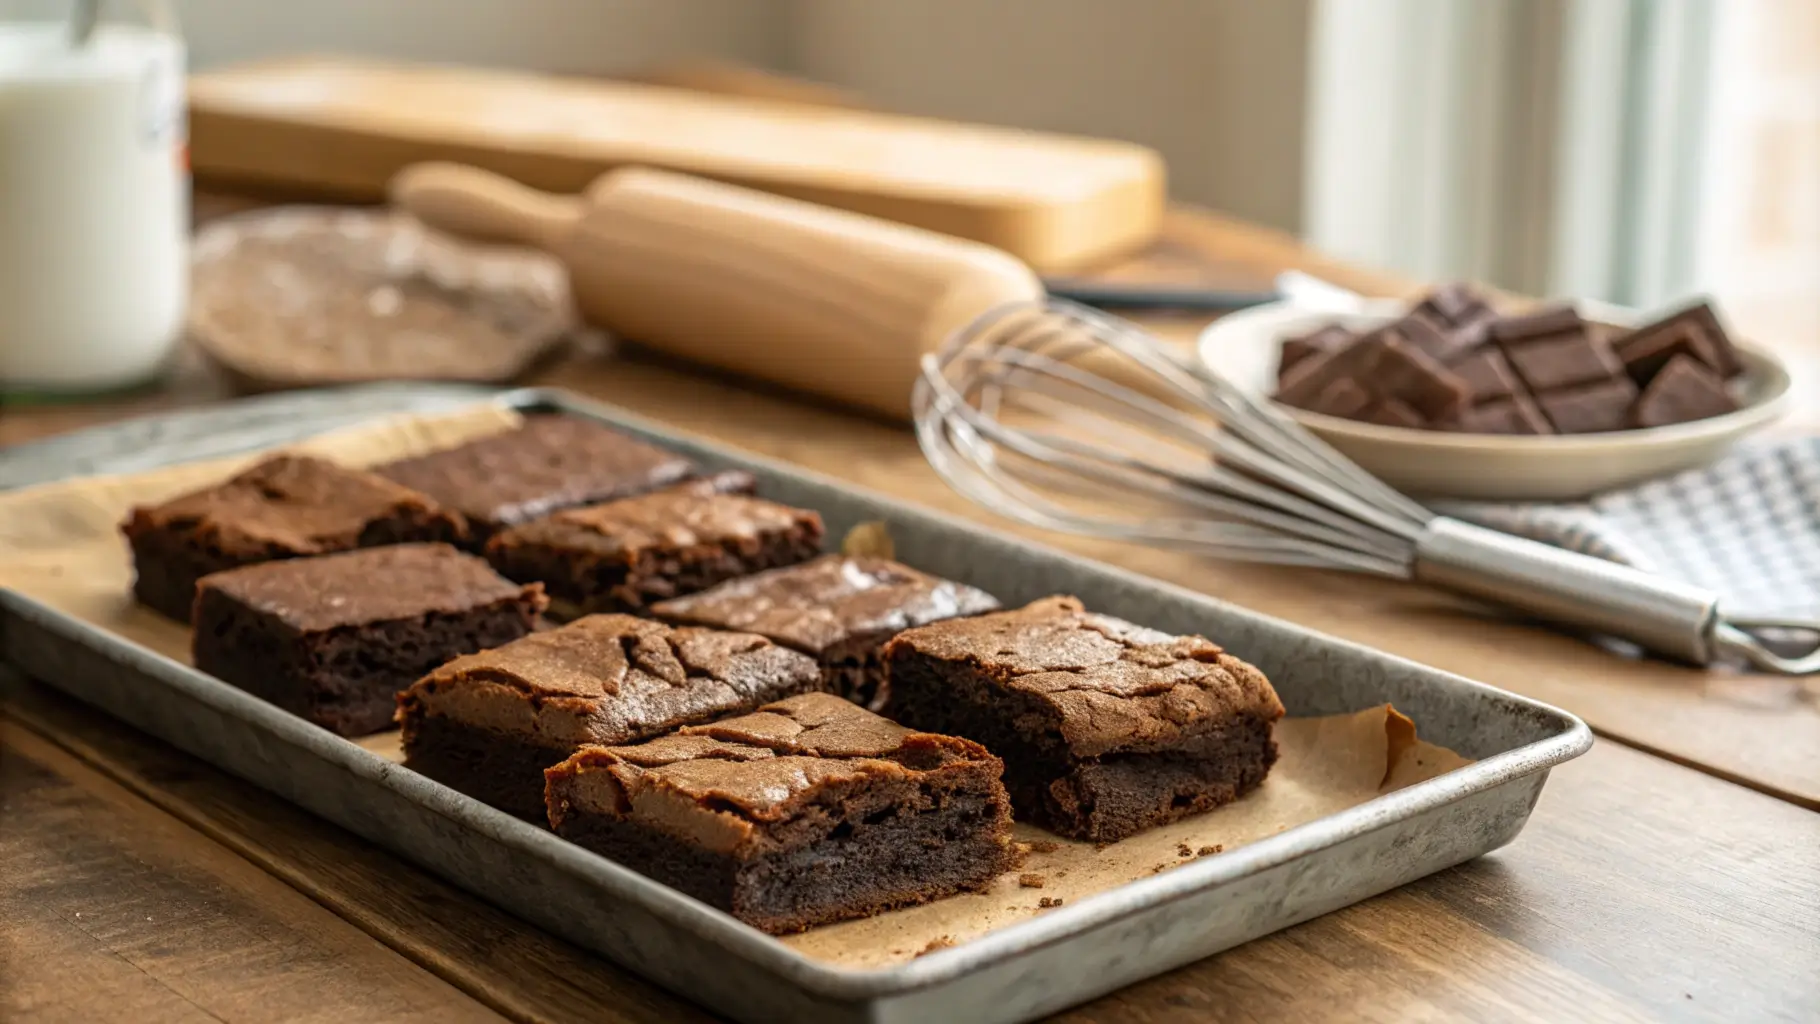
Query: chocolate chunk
[(1344, 398), (1427, 335), (1556, 349), (1487, 373), (1455, 305), (1361, 377), (1686, 389), (1694, 331), (1330, 338), (1589, 408), (1551, 321), (1306, 382), (1515, 414), (1393, 412), (1407, 373)]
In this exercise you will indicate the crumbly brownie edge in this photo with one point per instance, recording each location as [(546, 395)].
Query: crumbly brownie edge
[(866, 862), (1107, 799), (496, 768), (586, 585), (166, 568), (347, 679), (1101, 798)]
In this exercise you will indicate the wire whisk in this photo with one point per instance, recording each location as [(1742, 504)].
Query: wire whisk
[(1067, 419)]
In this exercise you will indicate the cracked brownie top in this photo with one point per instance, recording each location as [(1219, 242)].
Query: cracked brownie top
[(1104, 684), (716, 782), (611, 679), (550, 462), (292, 505), (826, 602)]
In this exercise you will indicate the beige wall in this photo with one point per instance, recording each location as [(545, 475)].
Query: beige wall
[(554, 35), (1217, 85)]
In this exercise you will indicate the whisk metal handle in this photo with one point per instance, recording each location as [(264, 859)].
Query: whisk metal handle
[(1666, 616)]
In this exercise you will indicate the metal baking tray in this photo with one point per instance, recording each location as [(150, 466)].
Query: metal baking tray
[(1022, 971)]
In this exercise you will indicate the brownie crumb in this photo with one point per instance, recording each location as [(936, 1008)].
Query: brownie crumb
[(1208, 851), (1183, 850), (1044, 846), (1160, 868), (1048, 901), (1030, 881), (939, 942), (1062, 873), (1101, 846)]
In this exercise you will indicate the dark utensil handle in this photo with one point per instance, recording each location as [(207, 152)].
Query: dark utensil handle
[(1120, 295)]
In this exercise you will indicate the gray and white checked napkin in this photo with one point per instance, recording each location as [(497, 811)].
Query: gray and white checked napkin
[(1746, 527)]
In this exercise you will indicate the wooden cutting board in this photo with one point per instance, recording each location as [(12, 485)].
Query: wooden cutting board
[(342, 127)]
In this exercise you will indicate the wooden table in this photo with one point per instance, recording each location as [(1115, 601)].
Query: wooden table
[(1673, 873)]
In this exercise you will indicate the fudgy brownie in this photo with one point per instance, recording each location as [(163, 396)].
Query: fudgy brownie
[(838, 609), (488, 724), (548, 463), (1106, 728), (625, 555), (284, 507), (809, 811), (334, 639)]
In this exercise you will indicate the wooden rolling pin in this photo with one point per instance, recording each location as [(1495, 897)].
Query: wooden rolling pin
[(836, 304)]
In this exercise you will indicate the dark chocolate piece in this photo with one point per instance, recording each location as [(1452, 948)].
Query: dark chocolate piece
[(1393, 412), (488, 724), (1359, 379), (1686, 389), (811, 810), (334, 639), (1514, 414), (626, 555), (1556, 349), (1589, 408), (1455, 305), (1694, 331), (1422, 384), (285, 507), (1487, 373), (549, 463), (1106, 728), (837, 609), (1330, 338)]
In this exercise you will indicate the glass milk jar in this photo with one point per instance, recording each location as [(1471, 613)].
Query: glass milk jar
[(94, 206)]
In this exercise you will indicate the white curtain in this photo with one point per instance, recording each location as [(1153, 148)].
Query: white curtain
[(1548, 146)]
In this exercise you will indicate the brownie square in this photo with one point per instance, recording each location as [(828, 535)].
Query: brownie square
[(626, 555), (837, 609), (284, 507), (811, 810), (488, 724), (333, 639), (1106, 728), (548, 463)]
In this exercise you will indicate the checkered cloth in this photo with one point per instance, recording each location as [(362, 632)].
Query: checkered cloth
[(1747, 527)]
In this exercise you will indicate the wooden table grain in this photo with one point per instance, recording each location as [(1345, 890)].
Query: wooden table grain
[(1673, 874)]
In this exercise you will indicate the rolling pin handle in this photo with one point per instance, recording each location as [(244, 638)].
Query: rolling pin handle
[(481, 206)]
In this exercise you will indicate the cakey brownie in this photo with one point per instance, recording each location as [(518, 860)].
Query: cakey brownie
[(838, 609), (812, 810), (489, 724), (625, 555), (549, 463), (334, 639), (1106, 728), (283, 507)]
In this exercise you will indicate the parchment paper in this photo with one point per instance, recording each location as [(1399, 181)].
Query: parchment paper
[(60, 544)]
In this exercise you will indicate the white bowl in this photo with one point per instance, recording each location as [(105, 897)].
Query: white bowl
[(1245, 346)]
